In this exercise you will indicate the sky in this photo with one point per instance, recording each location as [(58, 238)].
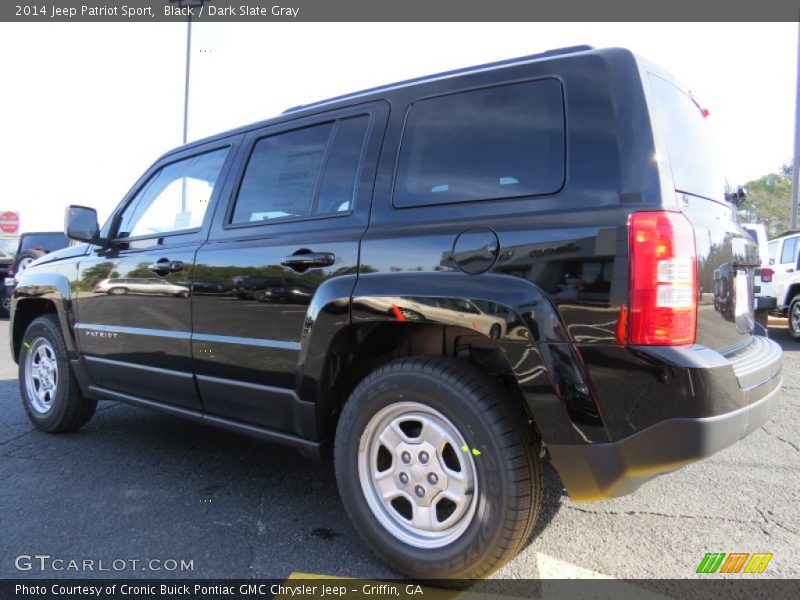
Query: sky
[(85, 108)]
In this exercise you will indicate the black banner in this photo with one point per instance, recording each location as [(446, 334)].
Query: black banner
[(400, 10), (308, 588)]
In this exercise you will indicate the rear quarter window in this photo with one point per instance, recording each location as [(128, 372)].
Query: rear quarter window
[(693, 156), (499, 142)]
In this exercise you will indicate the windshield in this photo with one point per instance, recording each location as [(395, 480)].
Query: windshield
[(692, 153), (8, 247)]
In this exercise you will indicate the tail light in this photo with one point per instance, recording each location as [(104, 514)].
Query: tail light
[(663, 286), (766, 274)]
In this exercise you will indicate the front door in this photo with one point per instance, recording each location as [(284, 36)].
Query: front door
[(295, 221), (133, 298)]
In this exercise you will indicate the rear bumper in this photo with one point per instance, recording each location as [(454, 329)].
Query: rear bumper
[(606, 470), (766, 303)]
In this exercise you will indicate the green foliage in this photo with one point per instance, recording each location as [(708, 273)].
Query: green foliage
[(768, 201)]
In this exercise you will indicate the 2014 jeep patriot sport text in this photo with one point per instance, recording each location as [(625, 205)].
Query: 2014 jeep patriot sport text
[(442, 280)]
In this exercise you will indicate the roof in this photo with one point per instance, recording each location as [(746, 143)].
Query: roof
[(392, 86), (465, 70)]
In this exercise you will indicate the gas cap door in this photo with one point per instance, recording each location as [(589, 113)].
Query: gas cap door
[(475, 250)]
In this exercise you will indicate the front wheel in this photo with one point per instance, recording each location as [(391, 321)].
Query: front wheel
[(794, 317), (50, 395), (438, 468)]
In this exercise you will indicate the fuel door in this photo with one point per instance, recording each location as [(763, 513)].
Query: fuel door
[(475, 250)]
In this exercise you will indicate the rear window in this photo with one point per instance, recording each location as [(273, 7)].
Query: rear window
[(498, 142), (303, 172), (692, 154), (44, 242)]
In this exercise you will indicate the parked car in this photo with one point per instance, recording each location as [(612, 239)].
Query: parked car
[(575, 191), (453, 311), (762, 283), (35, 244), (140, 285), (8, 246), (784, 251)]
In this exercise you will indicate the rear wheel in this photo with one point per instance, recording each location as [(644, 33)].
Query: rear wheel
[(438, 468), (50, 394), (794, 317)]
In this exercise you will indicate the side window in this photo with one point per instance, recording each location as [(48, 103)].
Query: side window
[(304, 172), (498, 142), (789, 250), (176, 197), (773, 249)]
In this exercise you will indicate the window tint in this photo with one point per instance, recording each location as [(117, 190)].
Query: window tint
[(497, 142), (692, 153), (339, 178), (285, 176), (47, 242), (175, 198), (789, 250)]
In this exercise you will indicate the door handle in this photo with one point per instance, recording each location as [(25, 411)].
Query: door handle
[(308, 260), (790, 270), (165, 265)]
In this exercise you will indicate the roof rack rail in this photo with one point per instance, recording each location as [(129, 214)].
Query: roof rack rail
[(499, 63)]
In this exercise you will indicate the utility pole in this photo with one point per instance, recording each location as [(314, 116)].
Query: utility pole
[(186, 88), (796, 163)]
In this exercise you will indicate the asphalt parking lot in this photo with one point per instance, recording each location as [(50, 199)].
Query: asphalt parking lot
[(139, 485)]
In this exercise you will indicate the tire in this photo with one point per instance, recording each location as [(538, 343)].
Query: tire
[(117, 291), (24, 259), (497, 450), (5, 303), (794, 317), (495, 332), (64, 408)]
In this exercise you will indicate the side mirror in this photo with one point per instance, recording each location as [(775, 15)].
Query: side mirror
[(80, 223)]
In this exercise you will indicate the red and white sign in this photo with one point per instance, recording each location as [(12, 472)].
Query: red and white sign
[(9, 222)]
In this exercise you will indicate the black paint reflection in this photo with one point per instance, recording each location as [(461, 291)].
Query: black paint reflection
[(138, 285)]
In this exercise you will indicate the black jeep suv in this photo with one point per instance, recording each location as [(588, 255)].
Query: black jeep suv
[(490, 265)]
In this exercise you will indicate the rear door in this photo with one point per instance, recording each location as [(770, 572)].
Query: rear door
[(299, 208), (785, 266), (727, 255), (133, 299)]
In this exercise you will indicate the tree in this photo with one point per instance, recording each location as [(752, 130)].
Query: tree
[(768, 201)]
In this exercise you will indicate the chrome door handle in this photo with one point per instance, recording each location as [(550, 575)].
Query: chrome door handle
[(309, 260), (164, 266)]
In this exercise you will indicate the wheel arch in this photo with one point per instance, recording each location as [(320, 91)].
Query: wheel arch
[(341, 347), (40, 294)]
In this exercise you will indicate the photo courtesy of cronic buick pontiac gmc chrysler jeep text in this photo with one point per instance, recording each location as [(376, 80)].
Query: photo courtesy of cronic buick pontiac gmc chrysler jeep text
[(440, 280)]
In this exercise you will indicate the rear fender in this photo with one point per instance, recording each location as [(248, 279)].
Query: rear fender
[(534, 339)]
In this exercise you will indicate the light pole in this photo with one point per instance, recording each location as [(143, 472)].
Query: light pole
[(186, 88), (796, 163)]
